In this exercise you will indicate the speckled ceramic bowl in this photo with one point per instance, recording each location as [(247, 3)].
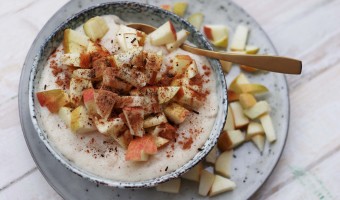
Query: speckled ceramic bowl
[(129, 12)]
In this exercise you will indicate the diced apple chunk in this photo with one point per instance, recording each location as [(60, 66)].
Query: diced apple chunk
[(239, 80), (76, 88), (240, 38), (160, 141), (259, 141), (232, 96), (188, 97), (135, 118), (180, 63), (192, 70), (180, 8), (140, 147), (95, 28), (181, 35), (223, 163), (221, 185), (131, 40), (172, 186), (81, 121), (196, 19), (226, 66), (212, 155), (247, 100), (231, 139), (74, 42), (253, 129), (229, 124), (268, 127), (152, 121), (194, 173), (257, 110), (165, 94), (109, 127), (53, 99), (206, 181), (71, 59), (176, 113), (65, 115), (240, 119), (165, 34), (87, 74)]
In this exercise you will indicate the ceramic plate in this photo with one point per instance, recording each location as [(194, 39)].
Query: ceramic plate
[(249, 168)]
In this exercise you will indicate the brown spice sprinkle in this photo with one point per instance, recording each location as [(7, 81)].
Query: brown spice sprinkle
[(187, 144)]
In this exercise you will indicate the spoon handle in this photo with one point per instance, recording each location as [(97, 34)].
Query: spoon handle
[(269, 63)]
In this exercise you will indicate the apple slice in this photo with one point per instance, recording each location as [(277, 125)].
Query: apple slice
[(105, 100), (89, 101), (232, 96), (80, 121), (226, 66), (111, 81), (180, 8), (221, 185), (171, 186), (95, 28), (135, 118), (253, 129), (240, 119), (194, 173), (165, 131), (230, 139), (239, 80), (247, 100), (140, 147), (223, 163), (160, 142), (76, 88), (110, 127), (192, 70), (164, 34), (180, 63), (268, 127), (65, 115), (165, 94), (53, 99), (240, 38), (206, 181), (188, 97), (74, 42), (166, 7), (250, 49), (176, 113), (196, 19), (217, 34), (181, 35), (257, 110), (71, 59), (152, 121), (259, 141), (229, 124), (87, 74), (212, 155)]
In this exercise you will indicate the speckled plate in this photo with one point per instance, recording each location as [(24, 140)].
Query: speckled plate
[(250, 168)]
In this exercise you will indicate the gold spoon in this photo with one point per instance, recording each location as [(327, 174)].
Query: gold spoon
[(269, 63)]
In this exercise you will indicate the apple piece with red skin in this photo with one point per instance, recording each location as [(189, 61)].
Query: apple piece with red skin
[(76, 88), (240, 120), (182, 35), (232, 96), (140, 147), (89, 102), (135, 118), (217, 34), (230, 139), (165, 34), (53, 99)]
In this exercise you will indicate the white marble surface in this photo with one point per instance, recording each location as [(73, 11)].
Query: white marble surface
[(308, 30)]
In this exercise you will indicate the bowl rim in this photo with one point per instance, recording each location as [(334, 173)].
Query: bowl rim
[(25, 95)]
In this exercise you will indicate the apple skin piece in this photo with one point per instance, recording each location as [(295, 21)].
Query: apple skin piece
[(253, 129), (165, 34), (239, 80), (194, 173), (260, 108), (196, 19), (230, 139), (81, 122), (217, 34), (212, 156), (221, 185), (240, 120), (53, 99), (253, 88), (250, 49), (76, 88), (176, 113), (181, 35), (166, 7), (240, 38), (110, 127), (229, 124), (160, 142), (232, 96), (135, 120), (65, 115), (74, 42), (206, 181), (247, 100), (131, 40), (226, 66), (268, 127), (95, 28), (172, 186), (192, 70), (223, 163), (165, 94), (181, 63), (180, 8), (259, 141), (140, 146), (152, 121)]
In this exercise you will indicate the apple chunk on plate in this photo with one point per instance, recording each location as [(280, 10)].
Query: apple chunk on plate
[(172, 186), (194, 173), (229, 140), (240, 119), (257, 110), (164, 34), (223, 163), (240, 38), (268, 127), (221, 185), (53, 99), (140, 148), (206, 181), (217, 34)]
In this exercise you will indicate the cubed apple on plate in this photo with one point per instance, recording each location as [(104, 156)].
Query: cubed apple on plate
[(172, 186), (194, 173), (230, 139)]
